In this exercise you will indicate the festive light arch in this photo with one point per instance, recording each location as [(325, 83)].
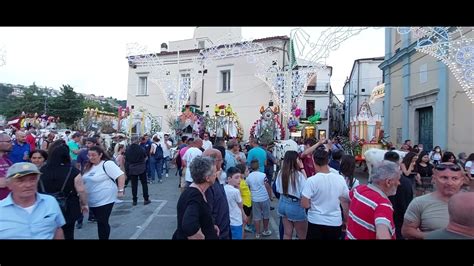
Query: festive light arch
[(288, 83), (170, 80), (452, 47)]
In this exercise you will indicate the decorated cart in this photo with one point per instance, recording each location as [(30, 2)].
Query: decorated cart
[(27, 120), (137, 122), (365, 131), (268, 128), (224, 123), (189, 123)]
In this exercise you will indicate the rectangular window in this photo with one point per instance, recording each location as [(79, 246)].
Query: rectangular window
[(322, 133), (185, 80), (423, 73), (201, 44), (309, 108), (142, 86), (225, 80)]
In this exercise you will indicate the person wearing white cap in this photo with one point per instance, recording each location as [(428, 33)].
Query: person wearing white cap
[(25, 213)]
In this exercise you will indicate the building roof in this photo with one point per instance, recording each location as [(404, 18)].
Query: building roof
[(380, 58), (283, 38)]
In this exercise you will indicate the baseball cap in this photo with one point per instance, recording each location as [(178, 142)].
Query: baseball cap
[(21, 169)]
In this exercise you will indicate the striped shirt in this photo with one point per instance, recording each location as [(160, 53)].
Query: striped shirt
[(369, 207)]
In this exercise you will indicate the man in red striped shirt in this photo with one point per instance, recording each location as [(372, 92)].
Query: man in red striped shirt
[(371, 212)]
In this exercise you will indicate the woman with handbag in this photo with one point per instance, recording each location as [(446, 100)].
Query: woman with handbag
[(60, 177), (99, 177)]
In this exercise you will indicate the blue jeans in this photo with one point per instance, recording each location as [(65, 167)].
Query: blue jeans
[(165, 162), (149, 168), (281, 229), (236, 232), (158, 167)]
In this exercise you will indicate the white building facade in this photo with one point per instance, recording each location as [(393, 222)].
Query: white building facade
[(317, 99), (229, 80), (365, 76)]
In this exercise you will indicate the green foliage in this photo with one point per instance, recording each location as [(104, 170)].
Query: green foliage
[(32, 101), (68, 105), (122, 103), (351, 147)]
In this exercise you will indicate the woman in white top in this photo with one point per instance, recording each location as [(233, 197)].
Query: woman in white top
[(99, 178), (347, 171), (289, 183), (435, 155), (469, 166), (119, 157)]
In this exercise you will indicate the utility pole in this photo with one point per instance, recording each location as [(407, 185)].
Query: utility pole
[(358, 86), (203, 72), (45, 106)]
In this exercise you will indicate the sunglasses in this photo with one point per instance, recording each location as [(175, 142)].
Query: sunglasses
[(452, 167)]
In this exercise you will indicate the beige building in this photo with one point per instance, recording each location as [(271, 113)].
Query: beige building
[(423, 100)]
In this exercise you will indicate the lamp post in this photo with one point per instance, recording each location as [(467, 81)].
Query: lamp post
[(45, 103), (203, 72)]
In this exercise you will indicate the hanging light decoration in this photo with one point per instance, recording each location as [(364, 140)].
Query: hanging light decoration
[(452, 47)]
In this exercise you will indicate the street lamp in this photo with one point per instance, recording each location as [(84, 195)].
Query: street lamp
[(203, 72), (45, 103)]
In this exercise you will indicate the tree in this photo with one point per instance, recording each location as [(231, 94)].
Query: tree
[(68, 105), (32, 101)]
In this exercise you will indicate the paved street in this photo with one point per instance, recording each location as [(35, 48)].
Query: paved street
[(158, 219)]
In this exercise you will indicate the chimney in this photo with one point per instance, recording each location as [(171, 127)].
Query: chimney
[(164, 47)]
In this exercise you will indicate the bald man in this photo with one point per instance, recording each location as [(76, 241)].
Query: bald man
[(461, 218), (21, 150), (216, 197)]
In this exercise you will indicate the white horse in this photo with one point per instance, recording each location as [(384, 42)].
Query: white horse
[(282, 146), (374, 156)]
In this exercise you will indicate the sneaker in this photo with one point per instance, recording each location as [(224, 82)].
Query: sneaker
[(267, 232), (161, 181), (79, 226), (118, 201), (248, 229), (146, 202), (167, 175), (257, 236)]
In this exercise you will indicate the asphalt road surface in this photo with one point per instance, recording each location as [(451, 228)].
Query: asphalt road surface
[(158, 219)]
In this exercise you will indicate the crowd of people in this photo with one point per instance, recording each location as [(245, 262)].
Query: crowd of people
[(414, 197), (227, 189)]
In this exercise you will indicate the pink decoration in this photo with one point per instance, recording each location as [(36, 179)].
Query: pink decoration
[(297, 112)]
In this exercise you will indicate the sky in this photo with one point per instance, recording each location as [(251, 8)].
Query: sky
[(92, 59)]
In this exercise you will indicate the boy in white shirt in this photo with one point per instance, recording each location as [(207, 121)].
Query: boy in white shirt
[(234, 199), (260, 191)]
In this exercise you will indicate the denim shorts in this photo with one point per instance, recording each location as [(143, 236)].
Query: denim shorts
[(236, 231), (291, 209)]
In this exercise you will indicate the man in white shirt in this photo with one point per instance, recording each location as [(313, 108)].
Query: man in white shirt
[(206, 143), (323, 193), (166, 146), (188, 157)]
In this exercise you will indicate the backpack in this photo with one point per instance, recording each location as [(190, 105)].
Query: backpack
[(158, 152), (60, 196)]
